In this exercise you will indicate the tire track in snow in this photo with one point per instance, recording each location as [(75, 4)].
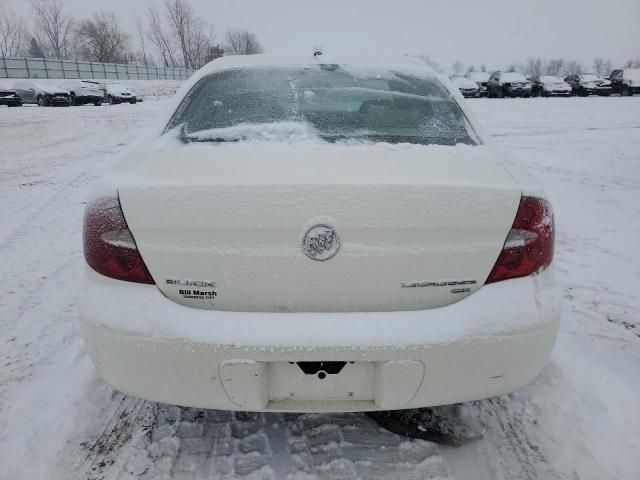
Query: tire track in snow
[(146, 441), (508, 450)]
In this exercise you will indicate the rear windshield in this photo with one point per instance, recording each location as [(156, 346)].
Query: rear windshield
[(329, 101)]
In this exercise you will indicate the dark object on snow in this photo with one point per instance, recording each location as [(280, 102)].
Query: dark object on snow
[(443, 425), (10, 98)]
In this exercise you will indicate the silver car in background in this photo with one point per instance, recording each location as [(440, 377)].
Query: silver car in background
[(117, 93), (481, 79), (468, 88), (41, 94)]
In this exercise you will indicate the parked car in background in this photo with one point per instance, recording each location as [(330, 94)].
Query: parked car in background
[(41, 94), (82, 92), (329, 306), (603, 87), (467, 87), (508, 84), (625, 81), (481, 79), (548, 85), (585, 84), (9, 98), (118, 93)]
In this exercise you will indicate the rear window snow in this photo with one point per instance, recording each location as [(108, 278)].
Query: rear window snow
[(331, 102)]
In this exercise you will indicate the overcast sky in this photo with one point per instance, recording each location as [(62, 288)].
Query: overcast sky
[(494, 32)]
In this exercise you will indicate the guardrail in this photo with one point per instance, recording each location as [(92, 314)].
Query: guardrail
[(52, 68)]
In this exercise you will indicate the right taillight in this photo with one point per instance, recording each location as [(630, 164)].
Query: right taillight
[(529, 245), (109, 247)]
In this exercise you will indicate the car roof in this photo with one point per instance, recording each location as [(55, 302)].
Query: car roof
[(239, 61)]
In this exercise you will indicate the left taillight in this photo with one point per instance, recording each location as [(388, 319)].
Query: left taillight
[(530, 244), (109, 246)]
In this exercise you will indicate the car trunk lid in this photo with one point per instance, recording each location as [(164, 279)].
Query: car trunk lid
[(237, 226)]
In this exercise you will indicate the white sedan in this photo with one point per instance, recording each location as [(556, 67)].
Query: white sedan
[(315, 235), (467, 87), (118, 93)]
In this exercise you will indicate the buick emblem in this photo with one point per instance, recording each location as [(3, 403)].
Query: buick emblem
[(321, 242)]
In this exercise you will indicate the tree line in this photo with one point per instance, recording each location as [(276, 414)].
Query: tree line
[(172, 35)]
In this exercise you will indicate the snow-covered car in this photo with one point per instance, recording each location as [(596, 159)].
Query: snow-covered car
[(508, 84), (41, 94), (549, 85), (604, 87), (311, 234), (9, 98), (586, 84), (467, 87), (626, 81), (118, 93), (82, 92), (481, 79)]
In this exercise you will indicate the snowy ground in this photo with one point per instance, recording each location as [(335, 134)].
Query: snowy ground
[(579, 420)]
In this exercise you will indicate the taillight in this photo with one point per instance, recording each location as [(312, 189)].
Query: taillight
[(529, 245), (109, 247)]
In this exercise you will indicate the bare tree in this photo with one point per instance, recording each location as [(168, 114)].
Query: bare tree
[(100, 39), (193, 35), (457, 68), (554, 67), (52, 27), (140, 30), (242, 42), (573, 67), (533, 66), (598, 66), (13, 34), (158, 36), (180, 15)]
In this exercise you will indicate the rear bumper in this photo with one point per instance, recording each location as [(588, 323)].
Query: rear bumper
[(468, 93), (10, 101), (517, 91), (84, 99), (59, 101), (557, 93), (494, 341)]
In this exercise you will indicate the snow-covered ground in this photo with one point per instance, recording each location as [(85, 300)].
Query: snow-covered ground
[(580, 419)]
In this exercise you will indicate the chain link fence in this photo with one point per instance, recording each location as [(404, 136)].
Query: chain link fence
[(52, 68)]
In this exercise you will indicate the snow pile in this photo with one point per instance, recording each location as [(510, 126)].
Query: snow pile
[(288, 132)]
